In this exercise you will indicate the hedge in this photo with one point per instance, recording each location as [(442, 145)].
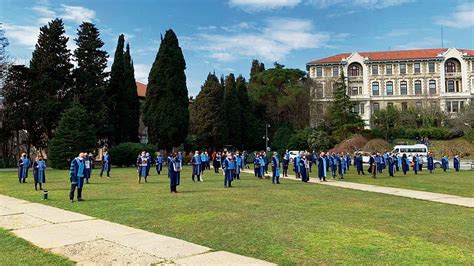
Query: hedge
[(125, 154)]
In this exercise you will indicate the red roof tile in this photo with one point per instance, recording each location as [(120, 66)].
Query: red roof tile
[(141, 89), (391, 55)]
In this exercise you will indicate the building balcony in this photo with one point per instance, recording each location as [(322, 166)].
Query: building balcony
[(355, 78), (452, 75)]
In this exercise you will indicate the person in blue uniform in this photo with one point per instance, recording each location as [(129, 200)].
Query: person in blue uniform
[(256, 165), (456, 163), (348, 161), (142, 167), (296, 165), (332, 164), (430, 165), (87, 168), (275, 169), (77, 176), (238, 165), (399, 162), (373, 165), (159, 163), (196, 162), (106, 161), (174, 170), (39, 172), (217, 162), (420, 163), (414, 164), (203, 162), (23, 166), (391, 165), (229, 166), (359, 164), (341, 165), (445, 163), (265, 161), (262, 164), (303, 170), (286, 163), (322, 166), (149, 160)]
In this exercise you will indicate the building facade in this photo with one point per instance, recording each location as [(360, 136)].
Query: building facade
[(441, 78)]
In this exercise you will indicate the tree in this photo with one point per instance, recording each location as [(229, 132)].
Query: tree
[(90, 77), (386, 120), (133, 103), (246, 112), (256, 68), (232, 112), (206, 114), (72, 136), (166, 104), (51, 74), (340, 109)]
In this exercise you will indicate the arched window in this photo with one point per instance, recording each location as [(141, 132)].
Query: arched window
[(432, 86), (355, 70), (389, 88), (375, 88), (450, 67), (418, 90), (403, 88)]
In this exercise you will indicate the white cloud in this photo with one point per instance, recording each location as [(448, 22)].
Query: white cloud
[(77, 14), (259, 5), (46, 14), (277, 39), (366, 4), (462, 17), (141, 72), (22, 35), (422, 43)]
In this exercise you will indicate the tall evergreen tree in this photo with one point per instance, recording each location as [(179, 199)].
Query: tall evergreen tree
[(246, 111), (231, 111), (133, 103), (207, 115), (72, 136), (166, 110), (51, 73), (340, 109), (256, 68), (90, 77)]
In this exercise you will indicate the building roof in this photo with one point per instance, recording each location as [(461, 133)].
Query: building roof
[(141, 89), (390, 55)]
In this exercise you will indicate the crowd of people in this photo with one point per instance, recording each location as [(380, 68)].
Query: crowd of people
[(329, 164)]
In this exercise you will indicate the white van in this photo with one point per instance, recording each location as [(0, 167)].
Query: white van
[(411, 150)]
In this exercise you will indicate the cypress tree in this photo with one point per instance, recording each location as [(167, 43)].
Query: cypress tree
[(133, 103), (90, 76), (51, 73), (231, 111), (246, 111), (256, 68), (166, 110), (207, 115), (340, 109), (72, 136)]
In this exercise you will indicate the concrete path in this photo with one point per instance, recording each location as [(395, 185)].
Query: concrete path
[(91, 241), (408, 193)]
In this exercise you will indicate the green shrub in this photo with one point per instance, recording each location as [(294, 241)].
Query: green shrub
[(125, 154), (319, 140)]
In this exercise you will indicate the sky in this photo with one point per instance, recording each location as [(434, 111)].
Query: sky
[(224, 36)]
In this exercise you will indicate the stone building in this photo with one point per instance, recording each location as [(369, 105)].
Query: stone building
[(441, 78)]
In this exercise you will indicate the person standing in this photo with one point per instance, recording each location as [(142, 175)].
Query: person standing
[(296, 164), (359, 164), (456, 163), (265, 161), (39, 169), (414, 164), (196, 161), (391, 165), (159, 163), (203, 162), (286, 162), (87, 168), (373, 165), (106, 161), (348, 160), (445, 163), (342, 165), (304, 169), (262, 164), (238, 165), (405, 164), (275, 169), (142, 167), (229, 166), (149, 160), (77, 177), (23, 166), (322, 167), (256, 165), (333, 164), (430, 165), (174, 170), (217, 162)]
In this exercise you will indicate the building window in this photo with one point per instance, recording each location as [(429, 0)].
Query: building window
[(403, 88), (335, 71), (375, 88), (419, 105), (450, 67), (418, 90), (404, 106), (319, 72), (403, 68), (388, 69), (432, 86), (461, 105), (361, 108), (390, 105), (416, 68), (389, 88), (454, 106), (375, 69), (355, 91), (375, 107), (354, 70), (448, 107), (450, 86), (431, 67)]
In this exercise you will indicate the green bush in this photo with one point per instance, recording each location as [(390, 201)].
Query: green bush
[(125, 154), (319, 140), (440, 133)]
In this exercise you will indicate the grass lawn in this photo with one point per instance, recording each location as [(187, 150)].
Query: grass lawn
[(16, 251), (455, 183), (291, 223)]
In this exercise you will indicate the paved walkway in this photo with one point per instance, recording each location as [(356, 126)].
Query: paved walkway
[(91, 241), (408, 193)]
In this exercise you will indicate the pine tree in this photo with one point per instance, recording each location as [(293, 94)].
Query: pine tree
[(207, 115), (340, 109), (90, 76), (72, 136), (246, 112), (256, 68), (166, 110), (231, 111), (133, 103), (51, 73)]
